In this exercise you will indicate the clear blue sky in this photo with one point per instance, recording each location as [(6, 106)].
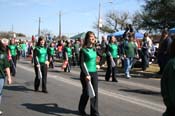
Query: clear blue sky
[(77, 15)]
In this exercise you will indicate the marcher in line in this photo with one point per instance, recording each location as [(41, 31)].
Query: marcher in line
[(88, 57), (112, 54), (68, 56), (51, 53), (12, 47), (4, 65), (40, 54)]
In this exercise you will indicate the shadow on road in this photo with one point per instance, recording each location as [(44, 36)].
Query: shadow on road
[(50, 108), (17, 88), (142, 91)]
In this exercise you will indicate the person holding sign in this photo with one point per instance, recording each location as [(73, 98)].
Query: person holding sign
[(40, 64), (88, 74)]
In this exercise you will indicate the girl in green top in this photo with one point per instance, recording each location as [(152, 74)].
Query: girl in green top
[(40, 62), (88, 57), (12, 47), (112, 54), (68, 56), (51, 53)]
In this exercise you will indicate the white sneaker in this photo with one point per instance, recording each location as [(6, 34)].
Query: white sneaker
[(128, 76), (1, 112)]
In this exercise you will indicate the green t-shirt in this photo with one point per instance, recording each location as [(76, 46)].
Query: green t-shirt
[(113, 49), (51, 51), (90, 56), (130, 49), (41, 53), (69, 51), (3, 64), (23, 46), (13, 49)]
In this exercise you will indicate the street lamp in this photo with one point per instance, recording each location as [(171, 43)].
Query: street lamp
[(100, 23)]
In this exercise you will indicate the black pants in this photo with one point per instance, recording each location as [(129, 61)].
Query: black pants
[(51, 64), (110, 69), (84, 97), (43, 68), (145, 60), (13, 65), (169, 111)]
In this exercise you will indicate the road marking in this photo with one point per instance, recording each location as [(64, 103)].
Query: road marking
[(140, 102)]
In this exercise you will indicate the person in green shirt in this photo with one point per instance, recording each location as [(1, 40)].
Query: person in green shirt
[(130, 51), (88, 55), (68, 56), (112, 54), (40, 64), (12, 47), (24, 49), (51, 53), (4, 66), (168, 83)]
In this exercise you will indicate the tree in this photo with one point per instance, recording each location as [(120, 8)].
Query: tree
[(113, 22), (158, 14)]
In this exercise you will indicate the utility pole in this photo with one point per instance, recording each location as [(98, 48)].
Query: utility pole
[(60, 24), (99, 20), (12, 28), (39, 30)]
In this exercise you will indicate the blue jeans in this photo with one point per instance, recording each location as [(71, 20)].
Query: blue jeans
[(127, 65), (1, 87)]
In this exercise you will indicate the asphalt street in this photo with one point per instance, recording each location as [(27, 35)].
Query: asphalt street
[(138, 96)]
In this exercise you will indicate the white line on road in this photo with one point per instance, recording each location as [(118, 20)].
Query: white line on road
[(141, 102)]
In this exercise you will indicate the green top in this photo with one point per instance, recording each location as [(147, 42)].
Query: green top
[(167, 84), (13, 49), (69, 51), (129, 49), (51, 51), (23, 46), (3, 64), (41, 53), (113, 49), (90, 56)]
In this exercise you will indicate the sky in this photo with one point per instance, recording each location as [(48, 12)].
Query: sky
[(76, 15)]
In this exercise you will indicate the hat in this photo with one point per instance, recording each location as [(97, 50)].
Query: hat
[(5, 41)]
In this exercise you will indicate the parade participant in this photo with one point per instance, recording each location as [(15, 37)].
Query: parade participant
[(40, 64), (24, 49), (51, 53), (88, 57), (4, 65), (12, 47), (112, 54), (68, 56), (167, 83), (129, 52), (76, 51)]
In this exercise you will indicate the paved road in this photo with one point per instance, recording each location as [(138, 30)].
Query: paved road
[(134, 97)]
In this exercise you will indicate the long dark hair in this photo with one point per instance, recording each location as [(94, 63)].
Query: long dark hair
[(86, 39), (2, 47), (40, 39), (10, 42)]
